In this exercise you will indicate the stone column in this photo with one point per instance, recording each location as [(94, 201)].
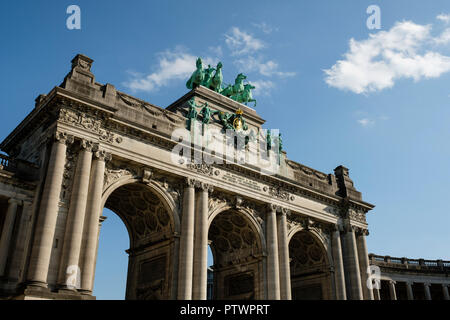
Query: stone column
[(427, 291), (273, 273), (392, 292), (352, 264), (7, 231), (409, 290), (376, 293), (338, 265), (363, 257), (20, 246), (283, 250), (186, 255), (75, 217), (201, 244), (48, 212), (91, 228), (445, 291)]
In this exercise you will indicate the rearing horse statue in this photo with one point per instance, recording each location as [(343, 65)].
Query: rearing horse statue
[(237, 88), (216, 81), (197, 77)]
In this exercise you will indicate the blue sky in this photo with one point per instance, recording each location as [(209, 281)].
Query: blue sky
[(378, 104)]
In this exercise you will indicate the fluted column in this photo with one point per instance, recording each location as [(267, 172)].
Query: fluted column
[(20, 246), (201, 244), (273, 273), (186, 255), (352, 264), (75, 217), (7, 231), (409, 290), (338, 265), (445, 291), (363, 257), (92, 217), (283, 250), (48, 212), (427, 291), (392, 292)]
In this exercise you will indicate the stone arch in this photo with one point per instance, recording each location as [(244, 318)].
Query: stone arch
[(168, 200), (237, 245), (246, 214), (310, 264), (150, 215)]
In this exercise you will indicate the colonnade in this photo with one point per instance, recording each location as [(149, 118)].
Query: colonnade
[(82, 223), (392, 285)]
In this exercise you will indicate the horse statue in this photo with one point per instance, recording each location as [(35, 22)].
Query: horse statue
[(216, 80), (197, 77), (238, 87), (245, 96), (208, 76)]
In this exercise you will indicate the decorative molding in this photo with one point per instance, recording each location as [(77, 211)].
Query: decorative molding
[(92, 123)]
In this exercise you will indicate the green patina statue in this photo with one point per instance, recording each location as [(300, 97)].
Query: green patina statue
[(238, 92), (216, 81), (197, 77), (206, 113), (192, 112), (269, 140), (235, 89), (208, 76), (245, 96), (280, 143)]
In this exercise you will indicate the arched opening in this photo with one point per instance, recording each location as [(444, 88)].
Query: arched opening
[(150, 226), (236, 251), (309, 267), (111, 269)]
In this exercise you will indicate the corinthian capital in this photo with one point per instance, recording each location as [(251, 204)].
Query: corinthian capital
[(102, 155), (285, 211), (86, 145), (62, 137), (273, 207), (206, 187)]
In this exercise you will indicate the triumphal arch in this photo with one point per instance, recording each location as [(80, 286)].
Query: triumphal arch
[(200, 172)]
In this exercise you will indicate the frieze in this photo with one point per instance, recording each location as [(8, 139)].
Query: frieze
[(203, 168), (240, 180), (279, 193), (91, 123), (356, 215)]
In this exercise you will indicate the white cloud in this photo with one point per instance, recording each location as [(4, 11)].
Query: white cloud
[(262, 87), (365, 122), (267, 68), (264, 27), (376, 63), (240, 42), (172, 65), (444, 37), (444, 17), (216, 51)]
